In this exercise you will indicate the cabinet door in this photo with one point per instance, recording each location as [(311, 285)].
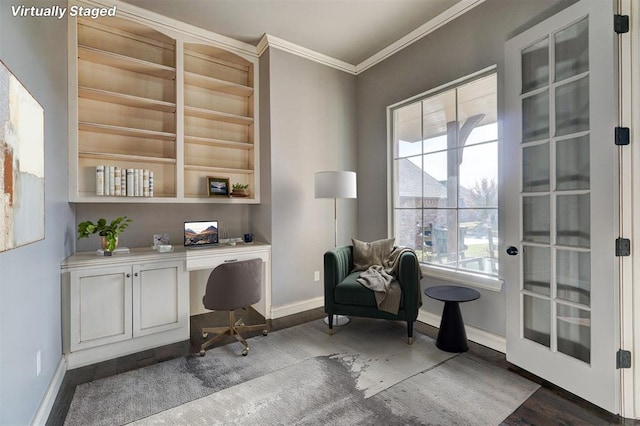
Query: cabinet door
[(159, 299), (100, 307)]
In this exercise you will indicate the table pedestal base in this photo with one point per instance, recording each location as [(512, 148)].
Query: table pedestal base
[(452, 336)]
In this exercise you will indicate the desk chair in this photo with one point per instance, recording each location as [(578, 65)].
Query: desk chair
[(233, 286)]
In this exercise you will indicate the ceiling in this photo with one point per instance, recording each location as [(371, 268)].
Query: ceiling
[(348, 30)]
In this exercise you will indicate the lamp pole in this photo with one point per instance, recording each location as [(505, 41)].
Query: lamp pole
[(335, 184)]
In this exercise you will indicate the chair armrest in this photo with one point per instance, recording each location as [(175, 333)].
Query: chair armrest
[(409, 280), (338, 263)]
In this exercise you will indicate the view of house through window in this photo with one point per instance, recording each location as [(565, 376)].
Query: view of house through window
[(445, 176)]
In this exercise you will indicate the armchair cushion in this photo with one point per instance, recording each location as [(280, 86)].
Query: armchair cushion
[(368, 254), (350, 292)]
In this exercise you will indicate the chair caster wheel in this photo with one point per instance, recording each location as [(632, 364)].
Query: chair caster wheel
[(245, 352), (205, 335), (202, 352), (265, 332)]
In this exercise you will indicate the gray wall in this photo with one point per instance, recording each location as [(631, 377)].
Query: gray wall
[(312, 128), (468, 44), (35, 50), (149, 219)]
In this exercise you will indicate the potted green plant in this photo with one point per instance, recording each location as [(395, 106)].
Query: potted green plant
[(108, 232), (240, 190)]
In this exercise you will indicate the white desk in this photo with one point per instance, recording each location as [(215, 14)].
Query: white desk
[(200, 263), (126, 303)]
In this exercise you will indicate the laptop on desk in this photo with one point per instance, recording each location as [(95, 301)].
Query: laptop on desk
[(200, 234)]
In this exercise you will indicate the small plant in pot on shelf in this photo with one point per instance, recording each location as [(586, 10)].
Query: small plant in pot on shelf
[(108, 232), (240, 190)]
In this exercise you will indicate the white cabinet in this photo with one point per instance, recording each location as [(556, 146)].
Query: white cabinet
[(156, 298), (101, 307), (120, 305)]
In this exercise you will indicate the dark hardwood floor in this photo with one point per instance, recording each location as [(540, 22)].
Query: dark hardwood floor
[(549, 405)]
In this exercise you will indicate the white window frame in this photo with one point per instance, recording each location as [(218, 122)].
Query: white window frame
[(479, 280)]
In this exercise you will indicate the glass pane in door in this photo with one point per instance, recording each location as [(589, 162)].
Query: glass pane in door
[(536, 314), (535, 168), (573, 274), (574, 332), (535, 66), (537, 269), (572, 50), (535, 117), (573, 220), (573, 164), (572, 107), (536, 217)]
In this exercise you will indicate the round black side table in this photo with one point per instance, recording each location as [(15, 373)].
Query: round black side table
[(452, 336)]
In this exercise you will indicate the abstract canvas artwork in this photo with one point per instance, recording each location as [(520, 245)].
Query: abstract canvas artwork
[(21, 164)]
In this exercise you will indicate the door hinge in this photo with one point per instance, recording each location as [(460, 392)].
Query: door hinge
[(623, 247), (623, 359), (622, 136), (621, 24)]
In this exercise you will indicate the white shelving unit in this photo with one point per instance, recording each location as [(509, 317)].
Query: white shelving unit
[(151, 97)]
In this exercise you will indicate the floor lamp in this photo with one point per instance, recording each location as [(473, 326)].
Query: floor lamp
[(336, 184)]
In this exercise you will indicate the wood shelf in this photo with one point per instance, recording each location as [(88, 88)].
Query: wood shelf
[(125, 62), (126, 131), (217, 115), (217, 84), (127, 100), (93, 198), (126, 157), (218, 169), (217, 142)]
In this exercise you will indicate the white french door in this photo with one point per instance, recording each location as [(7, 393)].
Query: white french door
[(560, 187)]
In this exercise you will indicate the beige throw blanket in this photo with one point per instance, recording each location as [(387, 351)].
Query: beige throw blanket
[(381, 279)]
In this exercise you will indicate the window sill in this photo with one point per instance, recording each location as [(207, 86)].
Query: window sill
[(467, 278)]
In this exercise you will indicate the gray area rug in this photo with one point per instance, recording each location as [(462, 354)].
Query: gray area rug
[(364, 374)]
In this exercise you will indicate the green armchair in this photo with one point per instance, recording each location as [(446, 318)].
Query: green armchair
[(343, 295)]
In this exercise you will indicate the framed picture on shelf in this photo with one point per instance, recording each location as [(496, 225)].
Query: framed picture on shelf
[(218, 186)]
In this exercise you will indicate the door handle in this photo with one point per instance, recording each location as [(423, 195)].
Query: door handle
[(512, 251)]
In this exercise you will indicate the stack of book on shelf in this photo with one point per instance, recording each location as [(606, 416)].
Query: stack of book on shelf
[(115, 181)]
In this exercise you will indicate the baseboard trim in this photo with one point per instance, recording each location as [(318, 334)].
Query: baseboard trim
[(294, 308), (50, 395), (482, 337)]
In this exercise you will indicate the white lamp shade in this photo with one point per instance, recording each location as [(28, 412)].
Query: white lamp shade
[(336, 184)]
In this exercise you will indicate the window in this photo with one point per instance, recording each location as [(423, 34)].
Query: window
[(445, 176)]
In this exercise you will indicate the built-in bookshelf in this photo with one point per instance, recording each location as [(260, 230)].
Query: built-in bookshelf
[(126, 104), (218, 118), (145, 100)]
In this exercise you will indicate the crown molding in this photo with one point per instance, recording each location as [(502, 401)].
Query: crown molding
[(445, 17), (269, 40)]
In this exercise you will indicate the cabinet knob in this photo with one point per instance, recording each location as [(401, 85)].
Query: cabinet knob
[(128, 275), (135, 275)]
